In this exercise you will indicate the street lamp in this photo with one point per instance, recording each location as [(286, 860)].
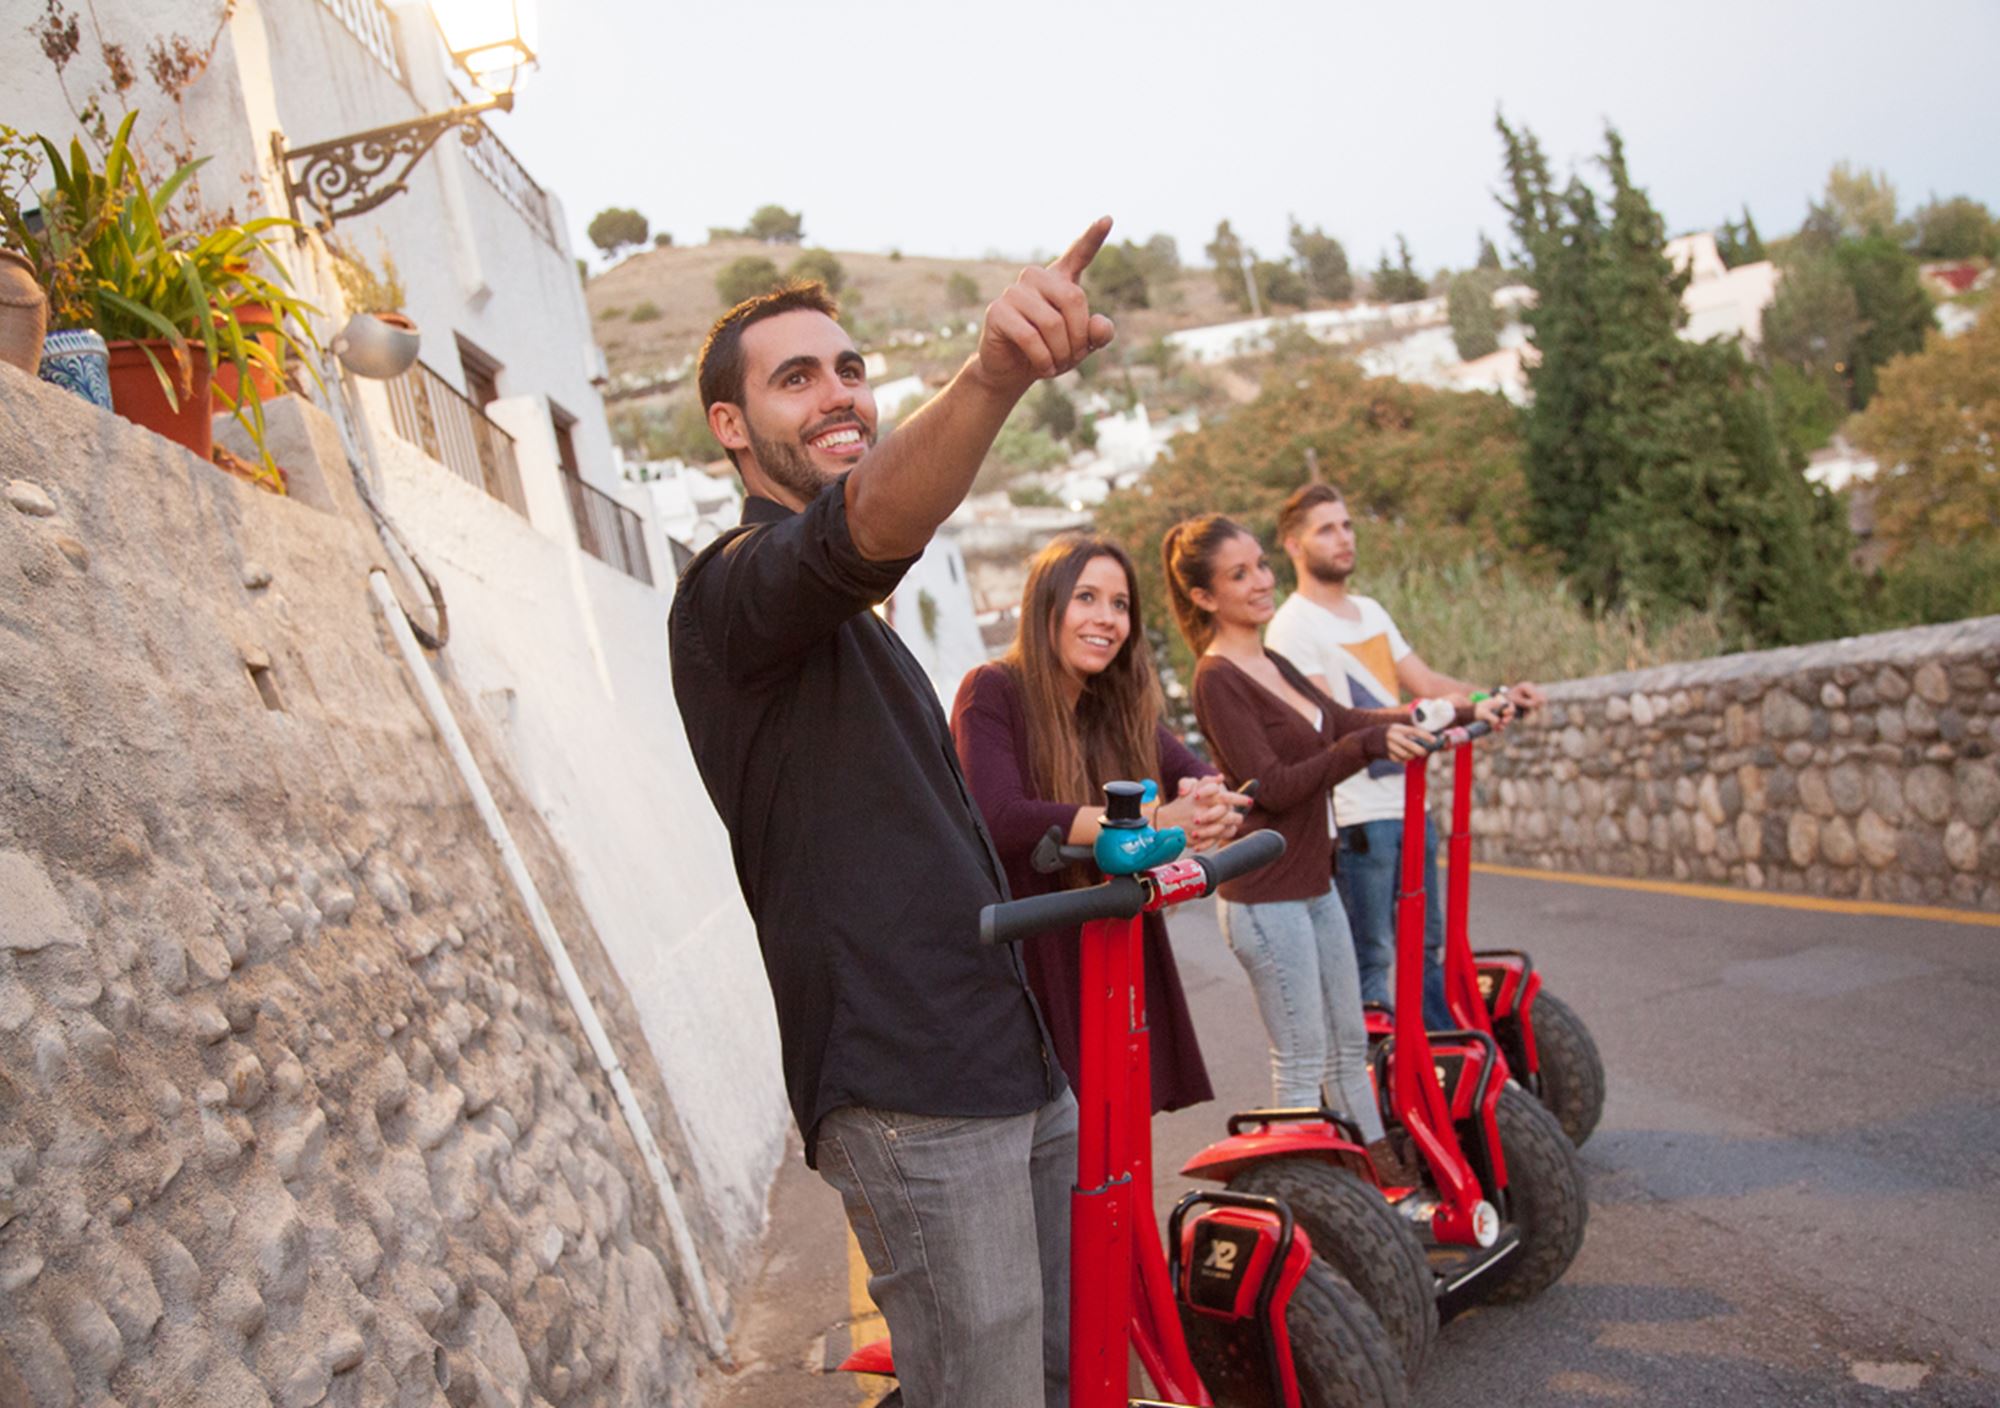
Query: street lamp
[(490, 40)]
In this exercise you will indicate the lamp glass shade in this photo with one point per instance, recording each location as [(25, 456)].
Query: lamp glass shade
[(489, 39)]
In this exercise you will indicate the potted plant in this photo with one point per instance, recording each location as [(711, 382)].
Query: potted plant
[(37, 284), (380, 341), (166, 300)]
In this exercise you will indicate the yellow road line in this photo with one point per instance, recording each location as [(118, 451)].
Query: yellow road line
[(1817, 903)]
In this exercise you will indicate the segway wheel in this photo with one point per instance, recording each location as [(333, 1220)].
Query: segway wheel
[(1358, 1234), (1341, 1353), (1572, 1071), (1546, 1196), (892, 1399)]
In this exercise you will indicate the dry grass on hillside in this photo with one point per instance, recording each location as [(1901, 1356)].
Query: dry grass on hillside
[(883, 294)]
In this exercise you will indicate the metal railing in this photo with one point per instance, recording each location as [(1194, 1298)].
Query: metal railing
[(607, 530), (503, 171), (369, 22), (438, 419)]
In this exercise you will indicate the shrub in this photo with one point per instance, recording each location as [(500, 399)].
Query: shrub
[(746, 278), (645, 312)]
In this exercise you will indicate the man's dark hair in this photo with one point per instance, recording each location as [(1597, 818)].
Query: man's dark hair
[(1300, 505), (721, 360)]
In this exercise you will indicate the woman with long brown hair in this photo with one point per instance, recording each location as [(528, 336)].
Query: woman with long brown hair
[(1263, 719), (1072, 705)]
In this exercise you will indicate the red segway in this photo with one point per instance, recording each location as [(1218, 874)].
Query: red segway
[(1501, 1211), (1548, 1048), (1234, 1309)]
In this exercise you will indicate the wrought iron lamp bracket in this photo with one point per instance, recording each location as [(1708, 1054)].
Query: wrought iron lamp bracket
[(339, 177)]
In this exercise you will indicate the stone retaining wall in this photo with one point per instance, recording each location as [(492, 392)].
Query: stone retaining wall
[(292, 1109), (1859, 767)]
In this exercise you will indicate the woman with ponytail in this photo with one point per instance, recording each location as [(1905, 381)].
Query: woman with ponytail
[(1264, 720), (1075, 704)]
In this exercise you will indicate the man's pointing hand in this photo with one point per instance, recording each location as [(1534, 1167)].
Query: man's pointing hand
[(1042, 325)]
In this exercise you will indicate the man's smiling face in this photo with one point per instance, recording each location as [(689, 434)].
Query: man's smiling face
[(808, 415)]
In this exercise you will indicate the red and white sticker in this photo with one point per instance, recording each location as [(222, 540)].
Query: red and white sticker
[(1174, 882)]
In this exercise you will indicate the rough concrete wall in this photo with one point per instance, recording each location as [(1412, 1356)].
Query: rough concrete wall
[(1859, 767), (291, 1107)]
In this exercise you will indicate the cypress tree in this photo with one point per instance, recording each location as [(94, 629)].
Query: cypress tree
[(1653, 464)]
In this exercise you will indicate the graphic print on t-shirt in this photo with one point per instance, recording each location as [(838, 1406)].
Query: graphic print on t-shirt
[(1370, 679)]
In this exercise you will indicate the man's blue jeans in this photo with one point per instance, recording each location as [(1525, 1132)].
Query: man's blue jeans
[(964, 1223), (1368, 882)]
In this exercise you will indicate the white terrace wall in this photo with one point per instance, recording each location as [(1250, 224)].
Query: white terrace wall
[(291, 1107), (473, 263), (1862, 767)]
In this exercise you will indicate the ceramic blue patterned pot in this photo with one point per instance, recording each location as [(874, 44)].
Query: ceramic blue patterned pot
[(76, 359)]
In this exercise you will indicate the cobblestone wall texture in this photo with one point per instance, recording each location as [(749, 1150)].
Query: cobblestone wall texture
[(1863, 768), (292, 1110)]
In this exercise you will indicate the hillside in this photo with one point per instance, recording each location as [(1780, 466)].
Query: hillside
[(884, 295)]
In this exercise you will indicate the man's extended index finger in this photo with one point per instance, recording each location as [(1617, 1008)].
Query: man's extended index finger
[(1077, 257)]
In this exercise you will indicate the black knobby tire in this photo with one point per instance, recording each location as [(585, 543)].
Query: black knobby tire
[(1572, 1071), (892, 1399), (1545, 1196), (1359, 1235), (1340, 1351)]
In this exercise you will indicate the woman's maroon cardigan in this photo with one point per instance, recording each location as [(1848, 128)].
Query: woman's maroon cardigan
[(990, 726)]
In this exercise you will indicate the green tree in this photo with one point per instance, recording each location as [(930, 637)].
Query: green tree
[(1813, 322), (1279, 282), (1325, 263), (820, 265), (1959, 228), (1740, 244), (1053, 411), (1225, 253), (1475, 323), (746, 278), (1894, 309), (614, 227), (1654, 466), (1860, 203), (1116, 279), (663, 240), (774, 224), (1489, 257), (1399, 282), (960, 291)]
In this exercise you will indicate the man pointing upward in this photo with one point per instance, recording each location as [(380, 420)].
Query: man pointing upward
[(915, 1059)]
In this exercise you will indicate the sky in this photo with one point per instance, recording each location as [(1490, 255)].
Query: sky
[(955, 128)]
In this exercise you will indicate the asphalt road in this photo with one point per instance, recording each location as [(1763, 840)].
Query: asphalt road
[(1793, 1191)]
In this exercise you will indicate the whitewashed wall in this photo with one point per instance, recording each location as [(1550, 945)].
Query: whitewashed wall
[(569, 658)]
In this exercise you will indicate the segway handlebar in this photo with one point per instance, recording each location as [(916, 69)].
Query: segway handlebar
[(1457, 736), (1123, 896)]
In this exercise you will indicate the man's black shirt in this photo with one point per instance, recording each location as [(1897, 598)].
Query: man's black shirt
[(860, 853)]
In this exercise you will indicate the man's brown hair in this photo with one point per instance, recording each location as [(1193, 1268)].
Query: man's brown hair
[(721, 360), (1304, 499)]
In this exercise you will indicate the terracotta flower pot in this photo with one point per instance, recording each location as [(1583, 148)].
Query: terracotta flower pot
[(24, 312), (249, 317), (136, 393)]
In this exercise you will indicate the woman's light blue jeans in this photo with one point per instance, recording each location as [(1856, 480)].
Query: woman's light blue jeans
[(1300, 958)]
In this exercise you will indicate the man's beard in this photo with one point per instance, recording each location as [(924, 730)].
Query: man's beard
[(789, 463), (1327, 570)]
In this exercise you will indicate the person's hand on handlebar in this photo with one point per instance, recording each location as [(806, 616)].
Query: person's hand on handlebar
[(1205, 809), (1527, 695), (1495, 710), (1407, 743)]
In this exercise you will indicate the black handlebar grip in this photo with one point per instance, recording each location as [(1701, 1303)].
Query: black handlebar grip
[(1253, 852), (1013, 920), (1478, 728)]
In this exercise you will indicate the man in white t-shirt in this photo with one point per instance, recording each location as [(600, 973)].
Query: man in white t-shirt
[(1352, 648)]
